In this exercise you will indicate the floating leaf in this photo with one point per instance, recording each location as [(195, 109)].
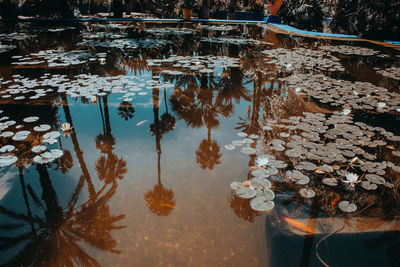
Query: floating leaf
[(242, 134), (261, 204), (248, 150), (260, 183), (330, 181), (267, 193), (6, 134), (246, 192), (260, 173), (7, 148), (38, 149), (307, 193), (376, 179), (346, 206), (368, 186), (31, 119), (7, 160), (51, 135), (305, 165), (229, 147), (42, 128), (238, 143), (236, 185)]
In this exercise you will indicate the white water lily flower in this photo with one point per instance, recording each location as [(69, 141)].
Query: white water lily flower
[(346, 111), (381, 104), (352, 179), (65, 127), (262, 161)]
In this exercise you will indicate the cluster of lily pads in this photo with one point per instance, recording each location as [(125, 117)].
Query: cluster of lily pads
[(233, 40), (83, 85), (201, 64), (303, 59), (352, 50), (354, 95), (16, 36), (221, 27), (393, 72), (6, 48), (130, 44), (54, 58), (27, 138), (103, 35), (170, 30), (314, 150)]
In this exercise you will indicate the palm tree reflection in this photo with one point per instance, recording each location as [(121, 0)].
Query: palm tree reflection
[(126, 110), (109, 166), (52, 234), (160, 200), (58, 233), (198, 107), (242, 209)]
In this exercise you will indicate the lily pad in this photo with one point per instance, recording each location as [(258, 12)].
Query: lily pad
[(238, 143), (260, 173), (242, 134), (42, 128), (330, 181), (248, 150), (236, 185), (376, 179), (7, 160), (307, 193), (229, 147), (346, 206), (261, 204), (31, 119), (51, 135), (38, 149), (260, 183), (368, 186), (246, 192), (7, 148), (305, 165)]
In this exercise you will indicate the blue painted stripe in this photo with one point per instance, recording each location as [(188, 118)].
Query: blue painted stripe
[(291, 29)]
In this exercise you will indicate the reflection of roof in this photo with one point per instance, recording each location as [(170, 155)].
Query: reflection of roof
[(350, 225)]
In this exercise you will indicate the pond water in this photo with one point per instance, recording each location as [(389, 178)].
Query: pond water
[(202, 145)]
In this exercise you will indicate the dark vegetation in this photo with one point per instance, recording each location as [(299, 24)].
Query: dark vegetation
[(373, 19)]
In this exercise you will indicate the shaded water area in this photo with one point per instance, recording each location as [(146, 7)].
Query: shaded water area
[(203, 145)]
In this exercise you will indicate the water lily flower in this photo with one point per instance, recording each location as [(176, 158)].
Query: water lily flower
[(381, 104), (352, 179), (262, 161), (66, 127), (346, 111)]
